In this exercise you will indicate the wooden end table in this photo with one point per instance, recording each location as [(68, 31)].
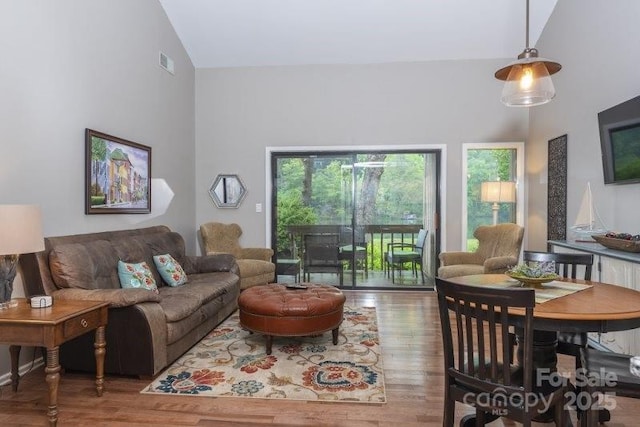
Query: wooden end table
[(50, 327)]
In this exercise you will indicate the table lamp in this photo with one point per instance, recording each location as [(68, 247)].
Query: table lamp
[(498, 192), (20, 233)]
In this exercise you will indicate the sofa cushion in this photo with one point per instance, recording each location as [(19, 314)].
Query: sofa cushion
[(170, 270), (181, 302), (136, 276), (144, 247), (88, 265)]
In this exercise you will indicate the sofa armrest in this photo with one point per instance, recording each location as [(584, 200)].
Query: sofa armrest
[(115, 297), (499, 264), (263, 254), (211, 263), (455, 258)]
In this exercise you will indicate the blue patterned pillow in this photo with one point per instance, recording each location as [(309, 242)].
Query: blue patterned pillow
[(170, 270), (137, 276)]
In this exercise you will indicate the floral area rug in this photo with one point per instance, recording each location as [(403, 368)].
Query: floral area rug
[(231, 362)]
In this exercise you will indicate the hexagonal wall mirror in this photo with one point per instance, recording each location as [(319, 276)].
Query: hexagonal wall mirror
[(227, 191)]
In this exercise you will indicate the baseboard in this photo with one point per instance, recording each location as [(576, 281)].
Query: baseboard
[(5, 379), (595, 344)]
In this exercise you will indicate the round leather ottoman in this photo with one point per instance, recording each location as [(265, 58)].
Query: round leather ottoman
[(275, 310)]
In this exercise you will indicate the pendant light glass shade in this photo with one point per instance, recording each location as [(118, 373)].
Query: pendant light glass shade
[(528, 83), (528, 80)]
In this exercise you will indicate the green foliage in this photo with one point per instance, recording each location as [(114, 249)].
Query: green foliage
[(535, 270), (290, 211), (97, 200), (487, 165), (400, 194)]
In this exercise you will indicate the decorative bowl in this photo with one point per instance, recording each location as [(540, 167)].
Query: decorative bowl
[(617, 244), (533, 282)]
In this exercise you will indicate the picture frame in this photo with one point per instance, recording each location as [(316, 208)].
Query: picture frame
[(117, 175)]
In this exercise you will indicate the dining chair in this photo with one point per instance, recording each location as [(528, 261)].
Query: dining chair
[(400, 253), (607, 373), (566, 265), (477, 353)]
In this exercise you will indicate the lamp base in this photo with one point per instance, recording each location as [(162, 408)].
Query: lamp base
[(8, 267), (8, 304)]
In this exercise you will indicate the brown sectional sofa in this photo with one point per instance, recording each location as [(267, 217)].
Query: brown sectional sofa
[(146, 331)]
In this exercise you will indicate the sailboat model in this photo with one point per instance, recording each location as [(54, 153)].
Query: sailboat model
[(585, 224)]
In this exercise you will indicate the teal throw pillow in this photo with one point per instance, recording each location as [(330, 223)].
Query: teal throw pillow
[(170, 270), (136, 276)]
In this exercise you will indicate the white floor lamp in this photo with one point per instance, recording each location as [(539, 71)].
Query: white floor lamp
[(498, 192)]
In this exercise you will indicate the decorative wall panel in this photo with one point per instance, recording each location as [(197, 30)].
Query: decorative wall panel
[(557, 189)]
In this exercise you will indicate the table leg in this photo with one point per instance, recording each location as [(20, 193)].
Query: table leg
[(269, 343), (53, 379), (15, 358), (100, 345), (545, 358)]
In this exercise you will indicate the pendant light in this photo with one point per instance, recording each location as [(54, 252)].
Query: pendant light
[(528, 80)]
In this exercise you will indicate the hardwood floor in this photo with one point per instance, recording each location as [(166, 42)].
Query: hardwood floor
[(412, 351)]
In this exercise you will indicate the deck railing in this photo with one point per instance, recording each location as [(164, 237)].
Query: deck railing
[(376, 236)]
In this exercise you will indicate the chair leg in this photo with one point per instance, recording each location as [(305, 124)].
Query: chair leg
[(449, 411), (560, 413), (480, 417)]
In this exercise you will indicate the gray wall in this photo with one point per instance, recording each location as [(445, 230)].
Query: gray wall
[(597, 44), (240, 111), (68, 65)]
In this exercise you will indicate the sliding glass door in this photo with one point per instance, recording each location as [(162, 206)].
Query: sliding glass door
[(336, 216)]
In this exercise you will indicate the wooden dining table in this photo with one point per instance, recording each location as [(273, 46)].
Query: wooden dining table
[(601, 307)]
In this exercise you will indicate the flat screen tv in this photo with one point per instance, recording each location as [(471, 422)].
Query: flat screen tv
[(620, 142)]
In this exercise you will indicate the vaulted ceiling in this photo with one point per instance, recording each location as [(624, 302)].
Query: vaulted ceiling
[(232, 33)]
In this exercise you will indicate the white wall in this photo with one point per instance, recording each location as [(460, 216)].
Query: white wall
[(597, 44), (240, 111), (68, 65)]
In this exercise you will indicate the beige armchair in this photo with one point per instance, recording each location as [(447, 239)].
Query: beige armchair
[(255, 264), (499, 248)]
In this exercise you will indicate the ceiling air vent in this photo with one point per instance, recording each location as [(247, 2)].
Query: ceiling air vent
[(167, 63)]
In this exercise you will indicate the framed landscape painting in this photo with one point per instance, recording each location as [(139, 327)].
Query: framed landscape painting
[(117, 175)]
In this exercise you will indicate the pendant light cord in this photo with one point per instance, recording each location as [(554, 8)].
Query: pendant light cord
[(527, 27)]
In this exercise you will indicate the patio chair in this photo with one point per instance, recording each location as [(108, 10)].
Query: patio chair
[(321, 255), (400, 253)]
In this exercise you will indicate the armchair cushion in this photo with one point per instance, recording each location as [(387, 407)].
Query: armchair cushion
[(454, 258), (499, 264), (263, 254)]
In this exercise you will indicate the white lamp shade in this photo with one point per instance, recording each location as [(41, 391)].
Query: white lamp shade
[(498, 192), (20, 229)]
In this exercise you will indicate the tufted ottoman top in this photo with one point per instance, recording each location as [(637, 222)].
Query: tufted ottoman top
[(276, 300)]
